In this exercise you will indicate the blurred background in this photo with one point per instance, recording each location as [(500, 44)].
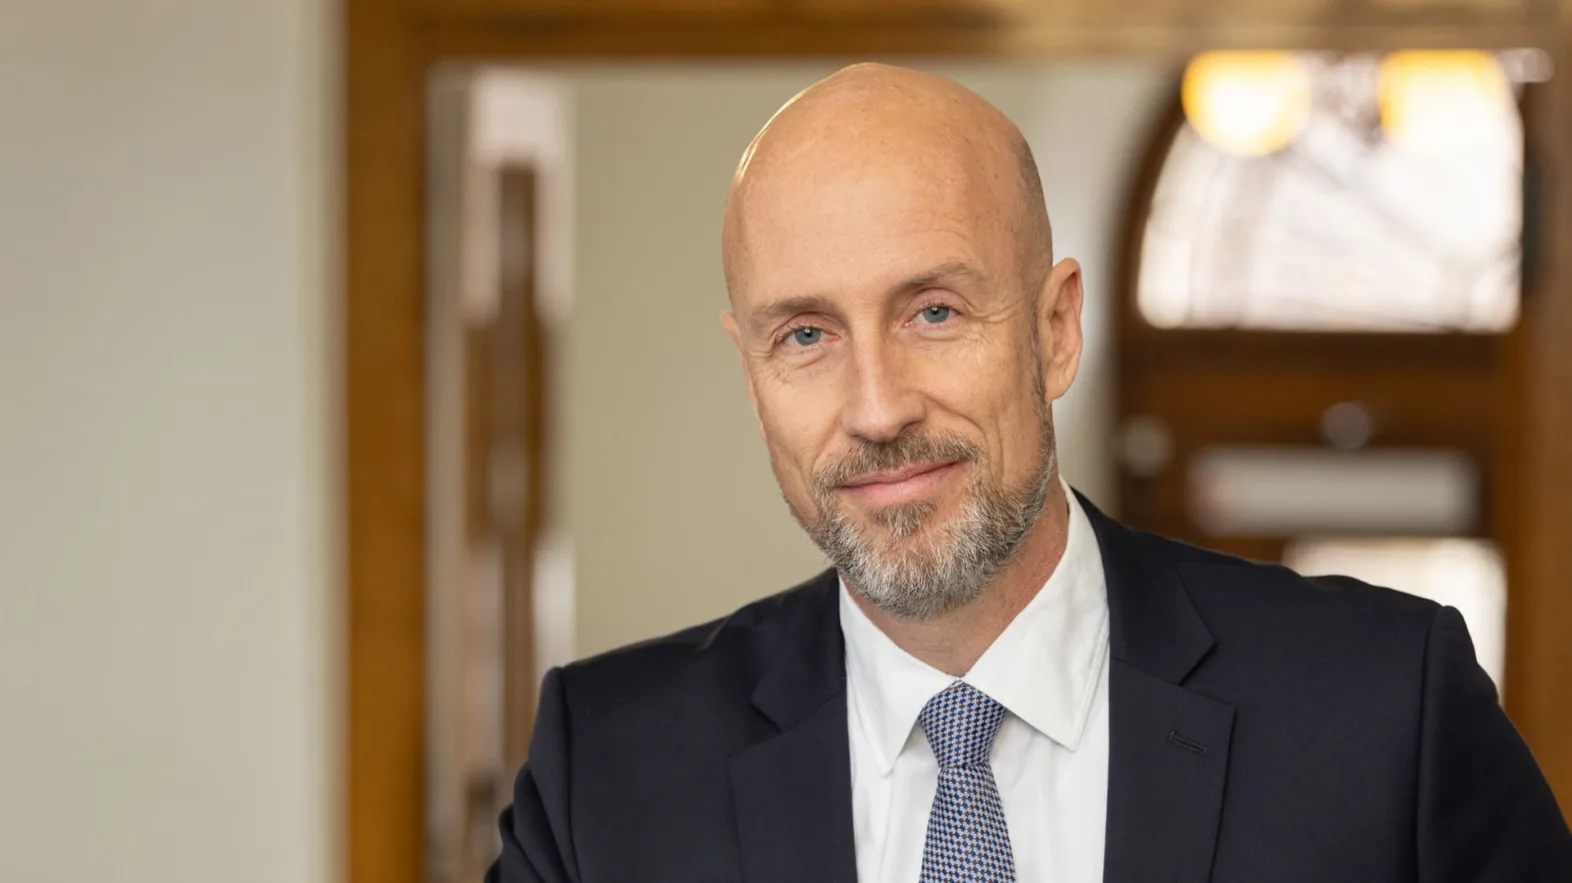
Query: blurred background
[(361, 361)]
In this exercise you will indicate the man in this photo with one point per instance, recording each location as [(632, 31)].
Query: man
[(996, 682)]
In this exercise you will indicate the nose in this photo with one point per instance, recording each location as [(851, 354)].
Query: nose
[(883, 401)]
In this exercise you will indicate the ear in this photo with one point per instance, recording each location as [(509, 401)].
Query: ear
[(729, 322), (1059, 327)]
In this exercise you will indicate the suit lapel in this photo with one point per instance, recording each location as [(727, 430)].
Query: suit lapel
[(1167, 764), (1168, 745), (792, 791), (793, 800)]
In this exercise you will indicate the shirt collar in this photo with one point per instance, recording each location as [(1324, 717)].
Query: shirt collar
[(1043, 667)]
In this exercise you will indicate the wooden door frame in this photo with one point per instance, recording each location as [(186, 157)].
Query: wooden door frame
[(389, 48)]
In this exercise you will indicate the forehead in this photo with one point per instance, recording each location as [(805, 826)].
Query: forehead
[(862, 224)]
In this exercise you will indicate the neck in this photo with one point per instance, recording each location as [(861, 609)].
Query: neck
[(953, 643)]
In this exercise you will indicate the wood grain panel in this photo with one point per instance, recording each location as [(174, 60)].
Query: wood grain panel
[(520, 439), (384, 376), (863, 39), (589, 11), (1536, 500), (1202, 16), (909, 10)]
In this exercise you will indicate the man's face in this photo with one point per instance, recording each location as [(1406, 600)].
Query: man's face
[(894, 355)]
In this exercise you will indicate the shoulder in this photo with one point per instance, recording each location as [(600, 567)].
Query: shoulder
[(1255, 608), (1270, 618), (1225, 583), (723, 656)]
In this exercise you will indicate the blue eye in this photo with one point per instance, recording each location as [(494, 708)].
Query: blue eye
[(935, 314), (807, 336)]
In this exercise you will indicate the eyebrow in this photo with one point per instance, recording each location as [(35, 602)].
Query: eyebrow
[(945, 272), (772, 313), (949, 271)]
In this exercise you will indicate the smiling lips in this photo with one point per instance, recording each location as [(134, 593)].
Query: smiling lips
[(892, 486)]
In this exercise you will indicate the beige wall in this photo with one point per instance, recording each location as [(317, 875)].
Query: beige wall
[(167, 606), (673, 514)]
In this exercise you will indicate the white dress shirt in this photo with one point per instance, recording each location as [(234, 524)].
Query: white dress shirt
[(1049, 669)]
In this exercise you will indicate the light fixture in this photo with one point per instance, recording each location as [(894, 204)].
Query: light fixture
[(1437, 101), (1247, 103)]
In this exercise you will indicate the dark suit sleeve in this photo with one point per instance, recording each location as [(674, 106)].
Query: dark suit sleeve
[(537, 844), (1486, 814)]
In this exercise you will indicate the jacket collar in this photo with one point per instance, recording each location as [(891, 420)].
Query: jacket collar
[(792, 791), (1168, 744), (1154, 625)]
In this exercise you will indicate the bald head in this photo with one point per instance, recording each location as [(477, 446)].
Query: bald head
[(870, 125)]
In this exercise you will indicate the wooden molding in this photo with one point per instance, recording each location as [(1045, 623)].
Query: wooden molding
[(385, 435), (509, 40), (1537, 497)]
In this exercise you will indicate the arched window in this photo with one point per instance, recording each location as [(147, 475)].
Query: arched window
[(1395, 205)]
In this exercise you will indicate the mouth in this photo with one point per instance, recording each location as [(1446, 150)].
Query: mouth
[(910, 483)]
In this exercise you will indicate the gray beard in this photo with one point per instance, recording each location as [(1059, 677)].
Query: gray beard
[(915, 577)]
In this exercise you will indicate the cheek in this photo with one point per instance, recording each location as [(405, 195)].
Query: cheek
[(1020, 422), (994, 390), (796, 427)]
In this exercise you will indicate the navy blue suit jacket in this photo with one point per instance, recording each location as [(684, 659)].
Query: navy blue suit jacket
[(1264, 728)]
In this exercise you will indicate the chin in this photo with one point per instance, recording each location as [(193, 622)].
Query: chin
[(915, 532)]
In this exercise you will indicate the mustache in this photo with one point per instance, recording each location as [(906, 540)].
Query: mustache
[(904, 450)]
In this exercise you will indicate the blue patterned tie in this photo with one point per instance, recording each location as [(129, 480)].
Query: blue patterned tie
[(967, 838)]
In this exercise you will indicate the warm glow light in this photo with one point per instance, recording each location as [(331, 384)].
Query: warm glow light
[(1437, 101), (1247, 103)]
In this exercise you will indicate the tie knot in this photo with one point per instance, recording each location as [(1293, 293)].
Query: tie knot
[(960, 724)]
